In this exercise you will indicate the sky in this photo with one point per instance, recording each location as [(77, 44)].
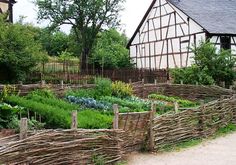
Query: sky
[(130, 17)]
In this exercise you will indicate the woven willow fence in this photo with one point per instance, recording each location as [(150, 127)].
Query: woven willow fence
[(65, 147), (195, 123)]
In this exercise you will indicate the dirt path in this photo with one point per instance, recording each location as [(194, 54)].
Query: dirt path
[(221, 151)]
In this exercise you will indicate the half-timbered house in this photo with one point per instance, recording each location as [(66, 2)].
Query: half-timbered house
[(6, 6), (170, 27)]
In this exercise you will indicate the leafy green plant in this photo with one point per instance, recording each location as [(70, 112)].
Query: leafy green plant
[(54, 117), (182, 102), (87, 93), (103, 87), (45, 93), (55, 102), (7, 90), (90, 119), (211, 66), (7, 114), (121, 89), (90, 103), (132, 105)]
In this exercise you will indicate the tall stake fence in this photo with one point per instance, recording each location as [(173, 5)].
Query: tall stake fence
[(126, 75)]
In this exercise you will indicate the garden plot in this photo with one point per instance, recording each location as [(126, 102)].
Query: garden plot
[(94, 106)]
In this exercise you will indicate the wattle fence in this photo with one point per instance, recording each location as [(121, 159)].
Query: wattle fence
[(132, 132)]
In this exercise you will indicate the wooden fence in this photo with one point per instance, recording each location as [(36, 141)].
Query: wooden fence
[(201, 122), (131, 132), (191, 92), (125, 75)]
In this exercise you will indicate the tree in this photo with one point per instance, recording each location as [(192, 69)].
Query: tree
[(219, 64), (211, 66), (110, 51), (54, 42), (19, 51), (87, 18)]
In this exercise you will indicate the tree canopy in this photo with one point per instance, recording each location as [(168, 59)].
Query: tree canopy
[(19, 51), (110, 51), (86, 17), (211, 66)]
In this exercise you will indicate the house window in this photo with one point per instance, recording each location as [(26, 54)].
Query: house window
[(225, 42)]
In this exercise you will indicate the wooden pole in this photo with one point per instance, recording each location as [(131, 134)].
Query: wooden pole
[(155, 82), (23, 128), (62, 84), (151, 133), (74, 120), (176, 107), (181, 82), (116, 117), (130, 81)]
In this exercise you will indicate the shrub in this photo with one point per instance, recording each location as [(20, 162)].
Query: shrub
[(103, 87), (121, 89), (192, 75), (90, 119)]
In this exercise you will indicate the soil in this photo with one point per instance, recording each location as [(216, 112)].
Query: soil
[(220, 151)]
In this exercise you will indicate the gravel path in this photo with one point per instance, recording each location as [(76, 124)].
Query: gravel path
[(220, 151)]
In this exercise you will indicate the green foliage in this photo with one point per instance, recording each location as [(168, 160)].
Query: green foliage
[(127, 105), (98, 160), (58, 103), (110, 51), (90, 119), (53, 41), (87, 18), (210, 66), (192, 75), (87, 93), (220, 65), (32, 124), (54, 117), (45, 93), (121, 89), (7, 114), (6, 91), (182, 103), (103, 87), (19, 51), (89, 103)]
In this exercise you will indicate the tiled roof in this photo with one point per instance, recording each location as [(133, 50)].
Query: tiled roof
[(216, 16)]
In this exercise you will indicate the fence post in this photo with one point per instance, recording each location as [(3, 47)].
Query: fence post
[(181, 82), (143, 82), (176, 107), (74, 121), (130, 81), (234, 96), (62, 84), (43, 82), (155, 82), (116, 117), (223, 84), (151, 134), (23, 128)]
